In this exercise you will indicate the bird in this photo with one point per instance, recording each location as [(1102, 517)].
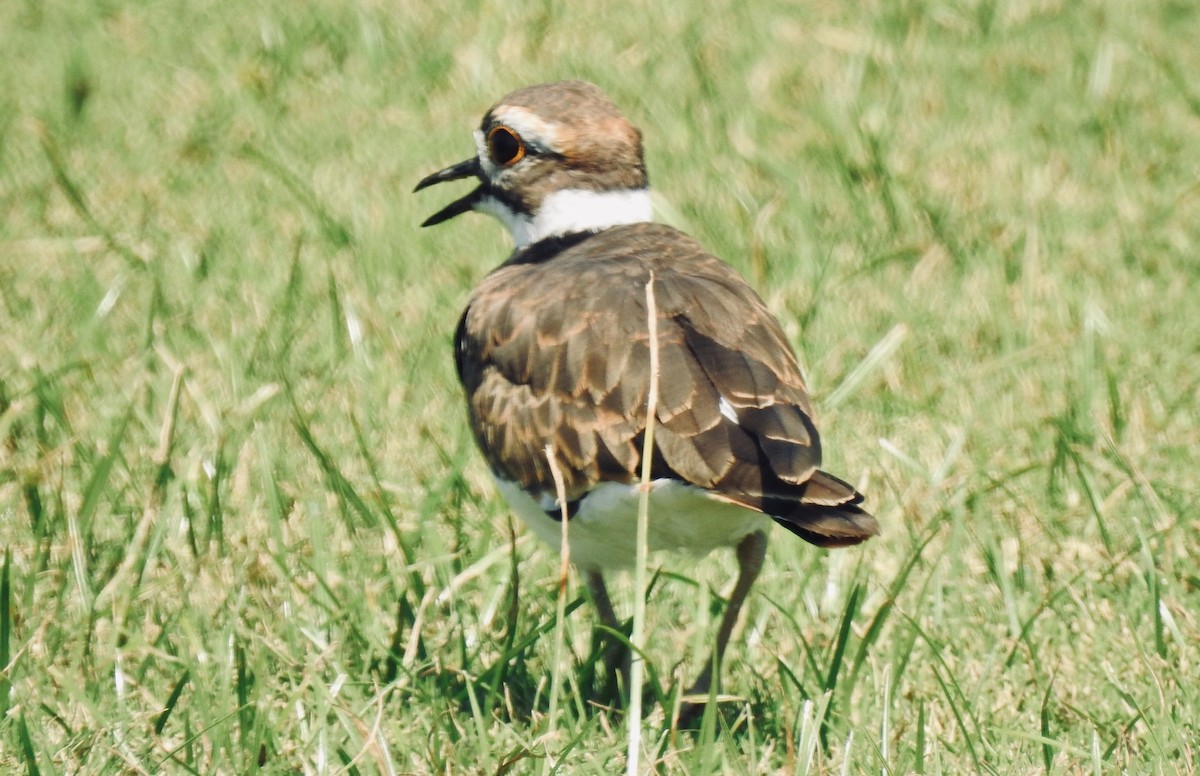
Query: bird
[(553, 352)]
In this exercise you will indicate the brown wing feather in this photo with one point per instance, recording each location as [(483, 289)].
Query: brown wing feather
[(557, 351)]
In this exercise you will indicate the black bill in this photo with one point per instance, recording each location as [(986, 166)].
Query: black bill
[(467, 169)]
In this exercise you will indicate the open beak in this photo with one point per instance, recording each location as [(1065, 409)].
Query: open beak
[(467, 169)]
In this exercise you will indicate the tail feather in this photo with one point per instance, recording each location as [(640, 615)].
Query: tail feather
[(828, 514)]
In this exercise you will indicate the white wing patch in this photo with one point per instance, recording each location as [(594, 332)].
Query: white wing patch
[(727, 409)]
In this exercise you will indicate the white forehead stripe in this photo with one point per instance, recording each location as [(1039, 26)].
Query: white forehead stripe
[(531, 127)]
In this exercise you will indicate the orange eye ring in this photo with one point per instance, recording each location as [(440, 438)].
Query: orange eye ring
[(505, 147)]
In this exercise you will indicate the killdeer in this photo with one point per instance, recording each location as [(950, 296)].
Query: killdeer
[(553, 350)]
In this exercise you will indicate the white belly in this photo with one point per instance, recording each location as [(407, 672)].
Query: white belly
[(602, 533)]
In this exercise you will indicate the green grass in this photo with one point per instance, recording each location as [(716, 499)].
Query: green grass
[(244, 524)]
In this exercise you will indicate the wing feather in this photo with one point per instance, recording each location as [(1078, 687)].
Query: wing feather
[(557, 351)]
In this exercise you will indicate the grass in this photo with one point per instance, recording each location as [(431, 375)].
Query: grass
[(244, 526)]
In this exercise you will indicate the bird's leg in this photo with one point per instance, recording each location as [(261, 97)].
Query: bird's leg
[(750, 554), (616, 657), (599, 593)]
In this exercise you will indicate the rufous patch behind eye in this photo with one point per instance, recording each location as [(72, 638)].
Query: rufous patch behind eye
[(505, 146)]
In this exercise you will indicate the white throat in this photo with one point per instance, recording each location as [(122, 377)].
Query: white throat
[(572, 210)]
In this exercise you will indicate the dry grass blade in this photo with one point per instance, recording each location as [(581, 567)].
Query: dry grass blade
[(637, 638), (560, 614)]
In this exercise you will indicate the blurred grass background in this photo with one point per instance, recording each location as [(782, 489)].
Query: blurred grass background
[(243, 523)]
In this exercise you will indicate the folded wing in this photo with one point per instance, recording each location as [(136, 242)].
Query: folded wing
[(557, 352)]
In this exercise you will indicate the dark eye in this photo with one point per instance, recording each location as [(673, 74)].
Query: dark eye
[(504, 146)]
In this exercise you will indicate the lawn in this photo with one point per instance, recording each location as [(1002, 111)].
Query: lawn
[(243, 523)]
